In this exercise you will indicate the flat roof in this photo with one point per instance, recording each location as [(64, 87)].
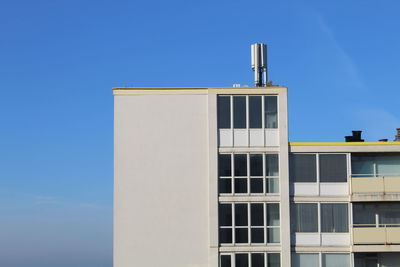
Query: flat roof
[(274, 89)]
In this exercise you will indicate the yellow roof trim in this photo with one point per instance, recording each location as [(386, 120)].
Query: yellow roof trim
[(342, 143)]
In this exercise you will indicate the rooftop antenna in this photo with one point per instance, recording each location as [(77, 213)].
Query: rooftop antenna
[(259, 64)]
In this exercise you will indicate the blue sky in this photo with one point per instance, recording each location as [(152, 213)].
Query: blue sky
[(60, 59)]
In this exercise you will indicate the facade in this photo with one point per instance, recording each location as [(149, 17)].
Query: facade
[(208, 177)]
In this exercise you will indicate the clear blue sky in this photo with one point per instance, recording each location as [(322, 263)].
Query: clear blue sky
[(60, 59)]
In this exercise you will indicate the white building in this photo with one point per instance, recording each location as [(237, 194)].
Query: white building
[(206, 177)]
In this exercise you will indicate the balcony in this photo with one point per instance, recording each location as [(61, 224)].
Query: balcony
[(372, 234), (376, 188)]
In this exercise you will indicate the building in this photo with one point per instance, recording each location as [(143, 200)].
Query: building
[(207, 177)]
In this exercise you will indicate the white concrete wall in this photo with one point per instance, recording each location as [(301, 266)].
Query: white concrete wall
[(161, 197)]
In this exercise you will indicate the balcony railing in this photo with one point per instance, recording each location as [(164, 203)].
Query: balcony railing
[(367, 184), (372, 234)]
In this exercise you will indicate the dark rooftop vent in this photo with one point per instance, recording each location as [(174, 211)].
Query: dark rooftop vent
[(383, 140), (356, 137)]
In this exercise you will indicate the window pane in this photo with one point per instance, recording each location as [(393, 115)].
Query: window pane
[(364, 213), (273, 214), (273, 235), (272, 185), (388, 164), (305, 260), (274, 260), (257, 214), (224, 112), (257, 260), (336, 260), (271, 112), (240, 164), (334, 218), (224, 165), (257, 235), (225, 185), (241, 235), (241, 185), (241, 215), (332, 168), (239, 112), (225, 214), (304, 217), (225, 260), (256, 167), (242, 260), (303, 168), (225, 235), (362, 164), (271, 165), (255, 112), (256, 185)]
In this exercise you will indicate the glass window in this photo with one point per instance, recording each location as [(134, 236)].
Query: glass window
[(335, 260), (272, 185), (224, 165), (257, 214), (274, 260), (271, 164), (225, 185), (225, 235), (257, 260), (257, 235), (271, 112), (242, 260), (375, 164), (305, 217), (273, 214), (241, 235), (256, 165), (224, 112), (240, 164), (305, 260), (239, 112), (255, 116), (273, 235), (241, 218), (225, 214), (303, 168), (256, 185), (334, 218), (240, 185), (332, 168), (225, 260)]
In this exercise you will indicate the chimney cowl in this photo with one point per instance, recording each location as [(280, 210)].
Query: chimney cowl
[(397, 136), (356, 137)]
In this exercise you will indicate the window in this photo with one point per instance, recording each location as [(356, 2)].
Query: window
[(249, 223), (239, 112), (376, 214), (332, 168), (305, 217), (303, 168), (334, 218), (224, 112), (305, 260), (252, 173), (251, 259), (327, 259), (375, 164), (247, 112), (255, 112), (271, 112), (335, 260)]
